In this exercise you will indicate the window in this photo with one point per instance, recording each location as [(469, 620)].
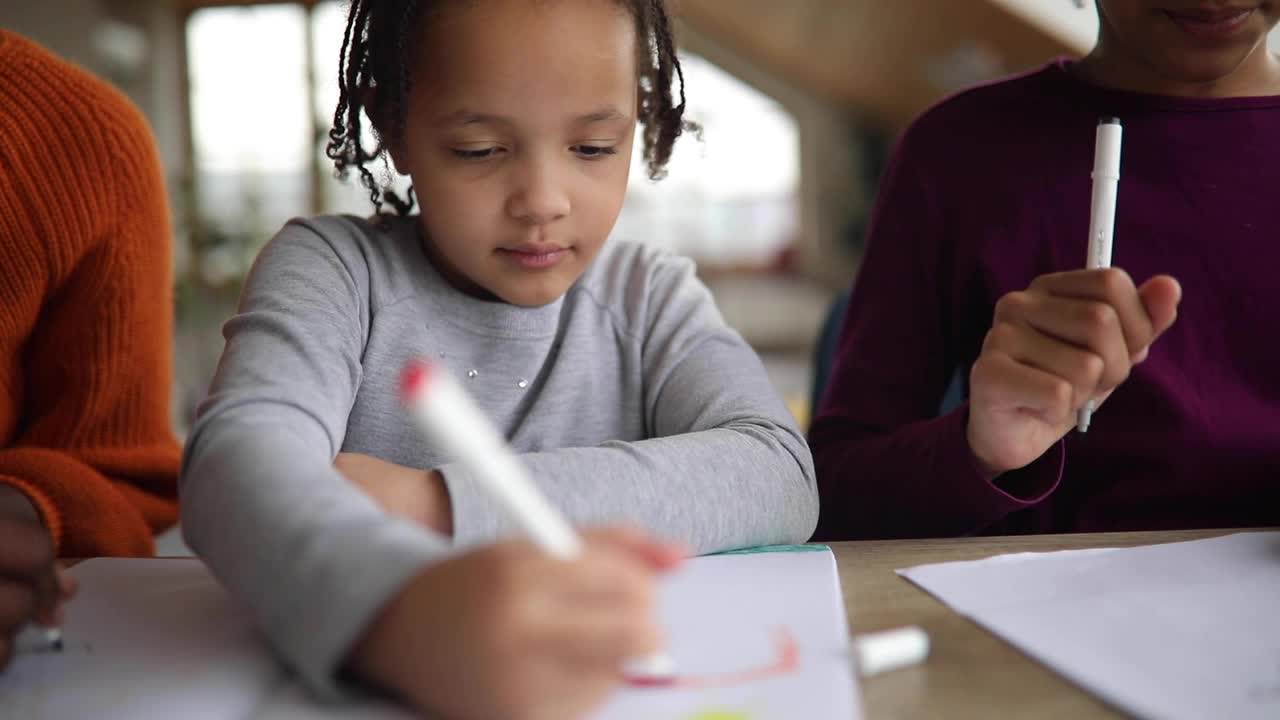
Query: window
[(248, 93), (732, 199), (262, 95), (263, 90)]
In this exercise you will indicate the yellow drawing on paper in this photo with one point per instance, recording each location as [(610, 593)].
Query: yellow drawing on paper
[(720, 715)]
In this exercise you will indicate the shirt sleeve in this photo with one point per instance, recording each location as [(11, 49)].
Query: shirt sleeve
[(93, 448), (888, 465), (314, 558), (724, 466)]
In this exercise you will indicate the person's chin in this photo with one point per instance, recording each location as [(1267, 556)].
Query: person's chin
[(1205, 72), (535, 296)]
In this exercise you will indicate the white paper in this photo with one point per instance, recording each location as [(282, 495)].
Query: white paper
[(161, 639), (1181, 631), (144, 639), (725, 615)]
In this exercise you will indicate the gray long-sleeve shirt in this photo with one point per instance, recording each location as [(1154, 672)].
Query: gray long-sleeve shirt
[(628, 398)]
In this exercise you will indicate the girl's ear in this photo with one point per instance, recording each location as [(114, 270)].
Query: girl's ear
[(384, 129)]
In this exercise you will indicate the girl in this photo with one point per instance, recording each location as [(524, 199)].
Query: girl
[(607, 365), (990, 191)]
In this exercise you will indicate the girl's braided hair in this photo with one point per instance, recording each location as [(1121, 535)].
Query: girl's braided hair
[(375, 56)]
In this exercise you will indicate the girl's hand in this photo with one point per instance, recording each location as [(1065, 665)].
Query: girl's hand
[(420, 495), (508, 631), (1068, 338)]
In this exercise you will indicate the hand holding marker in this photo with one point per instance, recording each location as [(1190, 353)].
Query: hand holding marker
[(451, 420), (1102, 214), (445, 413)]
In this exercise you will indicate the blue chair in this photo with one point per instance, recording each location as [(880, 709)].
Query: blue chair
[(825, 352)]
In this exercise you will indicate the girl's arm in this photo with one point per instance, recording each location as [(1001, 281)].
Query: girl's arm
[(313, 557)]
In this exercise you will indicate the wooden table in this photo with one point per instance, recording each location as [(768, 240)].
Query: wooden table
[(970, 673)]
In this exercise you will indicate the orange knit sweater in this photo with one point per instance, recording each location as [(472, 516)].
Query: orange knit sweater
[(85, 308)]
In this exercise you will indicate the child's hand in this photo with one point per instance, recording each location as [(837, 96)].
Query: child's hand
[(509, 632), (32, 587), (1070, 337), (419, 495)]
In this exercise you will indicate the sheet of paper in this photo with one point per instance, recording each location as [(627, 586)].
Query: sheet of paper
[(1180, 631), (756, 637), (144, 639)]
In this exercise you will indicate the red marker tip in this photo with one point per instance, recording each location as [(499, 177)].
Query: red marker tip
[(414, 378), (649, 681)]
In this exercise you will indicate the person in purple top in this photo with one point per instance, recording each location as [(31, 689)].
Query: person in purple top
[(972, 265)]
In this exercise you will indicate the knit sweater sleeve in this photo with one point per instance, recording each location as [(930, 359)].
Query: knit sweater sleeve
[(888, 465), (85, 348)]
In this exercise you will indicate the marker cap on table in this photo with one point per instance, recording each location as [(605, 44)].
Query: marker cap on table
[(880, 652)]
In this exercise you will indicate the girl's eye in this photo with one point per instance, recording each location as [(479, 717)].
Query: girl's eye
[(476, 154), (594, 152)]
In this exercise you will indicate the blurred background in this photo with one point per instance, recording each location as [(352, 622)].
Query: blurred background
[(800, 101)]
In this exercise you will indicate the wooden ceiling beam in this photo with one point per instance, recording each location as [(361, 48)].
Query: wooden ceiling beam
[(874, 58)]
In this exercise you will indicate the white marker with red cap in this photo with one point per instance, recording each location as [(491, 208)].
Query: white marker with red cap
[(451, 420)]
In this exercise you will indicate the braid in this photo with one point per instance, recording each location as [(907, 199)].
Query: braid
[(365, 73), (400, 98), (662, 118), (374, 81)]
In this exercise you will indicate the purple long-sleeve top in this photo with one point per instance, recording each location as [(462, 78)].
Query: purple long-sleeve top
[(987, 191)]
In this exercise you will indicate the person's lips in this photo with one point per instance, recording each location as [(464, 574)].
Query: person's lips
[(535, 256), (1211, 23)]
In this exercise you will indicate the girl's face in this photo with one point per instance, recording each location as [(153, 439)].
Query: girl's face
[(518, 138), (1188, 42)]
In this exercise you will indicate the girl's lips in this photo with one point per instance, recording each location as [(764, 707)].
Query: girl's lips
[(534, 258), (1211, 24)]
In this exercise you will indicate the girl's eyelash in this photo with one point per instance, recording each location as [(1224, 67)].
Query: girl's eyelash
[(481, 154), (587, 151), (595, 151)]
